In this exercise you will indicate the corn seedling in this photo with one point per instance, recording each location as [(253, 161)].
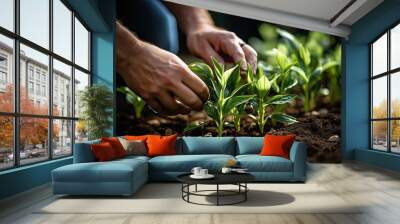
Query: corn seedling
[(224, 93), (264, 103)]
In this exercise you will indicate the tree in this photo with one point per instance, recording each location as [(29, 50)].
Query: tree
[(33, 131)]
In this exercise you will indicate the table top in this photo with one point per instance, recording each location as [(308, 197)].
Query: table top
[(220, 178)]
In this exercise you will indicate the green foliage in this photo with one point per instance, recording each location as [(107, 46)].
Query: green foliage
[(309, 58), (264, 102), (225, 93), (310, 69), (133, 99), (96, 102)]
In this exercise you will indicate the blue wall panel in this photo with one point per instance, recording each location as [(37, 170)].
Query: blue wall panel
[(356, 85)]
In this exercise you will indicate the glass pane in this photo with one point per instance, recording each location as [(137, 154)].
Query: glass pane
[(81, 45), (379, 55), (379, 97), (395, 129), (33, 139), (7, 14), (395, 47), (6, 74), (62, 89), (379, 135), (81, 81), (6, 142), (81, 131), (62, 138), (34, 19), (62, 29), (395, 94), (34, 94)]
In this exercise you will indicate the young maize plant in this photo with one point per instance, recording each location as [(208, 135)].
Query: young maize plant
[(264, 103), (225, 94)]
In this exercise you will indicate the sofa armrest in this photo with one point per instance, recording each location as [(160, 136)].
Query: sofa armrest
[(298, 155), (83, 152)]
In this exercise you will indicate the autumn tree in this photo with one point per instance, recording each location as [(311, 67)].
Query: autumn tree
[(33, 131)]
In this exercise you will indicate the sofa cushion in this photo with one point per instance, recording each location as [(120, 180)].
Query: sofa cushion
[(257, 163), (206, 145), (161, 145), (103, 152), (249, 145), (277, 145), (83, 152), (185, 163), (112, 171)]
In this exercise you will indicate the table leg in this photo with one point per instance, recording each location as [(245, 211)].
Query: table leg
[(217, 194), (195, 188)]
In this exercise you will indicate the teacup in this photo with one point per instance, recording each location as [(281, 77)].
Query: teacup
[(226, 170), (203, 172), (196, 171)]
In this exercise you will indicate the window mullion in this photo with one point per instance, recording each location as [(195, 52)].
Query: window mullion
[(16, 85), (50, 81), (389, 106), (73, 83)]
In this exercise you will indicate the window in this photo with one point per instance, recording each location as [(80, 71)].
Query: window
[(48, 77), (385, 95)]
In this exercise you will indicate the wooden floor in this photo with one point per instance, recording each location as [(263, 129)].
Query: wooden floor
[(378, 189)]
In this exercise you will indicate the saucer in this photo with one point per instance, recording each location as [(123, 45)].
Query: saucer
[(208, 176)]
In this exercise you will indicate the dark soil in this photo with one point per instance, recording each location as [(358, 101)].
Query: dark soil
[(320, 131)]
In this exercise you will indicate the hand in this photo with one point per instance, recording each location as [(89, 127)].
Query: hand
[(208, 41), (162, 79)]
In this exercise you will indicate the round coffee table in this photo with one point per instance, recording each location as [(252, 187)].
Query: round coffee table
[(238, 179)]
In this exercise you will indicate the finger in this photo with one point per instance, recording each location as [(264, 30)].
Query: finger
[(232, 48), (194, 83), (187, 96), (154, 106), (251, 56), (170, 106), (207, 52)]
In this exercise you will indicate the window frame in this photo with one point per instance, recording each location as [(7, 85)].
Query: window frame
[(16, 115), (388, 74)]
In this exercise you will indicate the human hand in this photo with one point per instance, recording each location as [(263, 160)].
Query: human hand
[(208, 41), (162, 79)]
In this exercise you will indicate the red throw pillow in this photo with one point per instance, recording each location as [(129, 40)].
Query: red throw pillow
[(116, 145), (103, 152), (161, 145), (135, 137), (277, 145)]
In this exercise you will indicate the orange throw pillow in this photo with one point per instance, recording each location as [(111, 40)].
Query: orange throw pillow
[(116, 145), (135, 137), (277, 145), (103, 152), (161, 145)]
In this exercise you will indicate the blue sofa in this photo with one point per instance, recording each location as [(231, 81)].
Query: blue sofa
[(125, 176)]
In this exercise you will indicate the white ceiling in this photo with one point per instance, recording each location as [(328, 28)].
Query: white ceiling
[(329, 16)]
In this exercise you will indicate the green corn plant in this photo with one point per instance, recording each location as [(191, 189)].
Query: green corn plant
[(133, 99), (309, 69), (264, 103), (224, 93)]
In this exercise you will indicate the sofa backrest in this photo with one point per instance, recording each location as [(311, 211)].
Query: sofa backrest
[(249, 145), (83, 152), (206, 145)]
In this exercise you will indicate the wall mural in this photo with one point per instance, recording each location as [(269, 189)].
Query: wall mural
[(296, 88)]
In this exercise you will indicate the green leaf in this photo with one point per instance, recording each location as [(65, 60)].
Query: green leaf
[(227, 74), (202, 70), (283, 118), (192, 127), (211, 110), (263, 86), (305, 55), (280, 99), (235, 101), (218, 68), (301, 73), (289, 83), (289, 37)]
